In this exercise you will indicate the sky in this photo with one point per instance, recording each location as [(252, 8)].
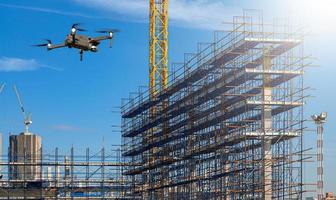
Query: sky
[(76, 103)]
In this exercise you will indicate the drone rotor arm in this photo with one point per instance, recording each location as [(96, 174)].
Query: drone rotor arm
[(100, 38), (56, 46)]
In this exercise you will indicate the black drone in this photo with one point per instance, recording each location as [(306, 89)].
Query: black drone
[(81, 42)]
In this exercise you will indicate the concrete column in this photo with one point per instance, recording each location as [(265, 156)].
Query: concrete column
[(267, 127)]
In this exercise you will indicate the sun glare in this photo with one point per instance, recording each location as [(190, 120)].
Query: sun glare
[(318, 14)]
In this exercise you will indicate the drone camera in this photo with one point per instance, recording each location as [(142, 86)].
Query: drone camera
[(94, 48)]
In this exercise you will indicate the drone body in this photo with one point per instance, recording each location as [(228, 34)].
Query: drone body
[(81, 42)]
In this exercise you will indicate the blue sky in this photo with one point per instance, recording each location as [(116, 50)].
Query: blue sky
[(72, 101)]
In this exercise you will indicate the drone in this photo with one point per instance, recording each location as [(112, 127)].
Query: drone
[(81, 42)]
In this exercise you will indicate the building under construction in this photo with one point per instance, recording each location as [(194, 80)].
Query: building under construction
[(229, 123), (65, 175), (24, 148)]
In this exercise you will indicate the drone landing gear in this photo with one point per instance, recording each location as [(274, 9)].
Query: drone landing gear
[(81, 54), (73, 38)]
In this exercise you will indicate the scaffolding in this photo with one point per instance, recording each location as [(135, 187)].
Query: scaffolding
[(65, 175), (233, 124)]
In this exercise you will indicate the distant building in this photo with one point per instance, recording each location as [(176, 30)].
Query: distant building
[(25, 156), (330, 196)]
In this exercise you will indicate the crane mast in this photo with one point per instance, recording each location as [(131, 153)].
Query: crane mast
[(158, 48), (158, 82)]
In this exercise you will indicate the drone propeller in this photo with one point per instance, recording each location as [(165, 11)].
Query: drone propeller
[(40, 45), (43, 45), (75, 25), (75, 28), (80, 29), (108, 31)]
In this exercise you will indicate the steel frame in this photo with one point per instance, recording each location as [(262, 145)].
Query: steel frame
[(67, 175), (233, 124)]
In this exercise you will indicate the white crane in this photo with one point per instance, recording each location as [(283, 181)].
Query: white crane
[(27, 117)]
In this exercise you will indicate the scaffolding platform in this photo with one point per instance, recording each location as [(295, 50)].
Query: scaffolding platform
[(230, 123)]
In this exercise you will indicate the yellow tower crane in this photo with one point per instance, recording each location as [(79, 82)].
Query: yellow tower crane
[(158, 48), (158, 78)]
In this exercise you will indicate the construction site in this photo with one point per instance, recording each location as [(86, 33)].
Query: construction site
[(65, 175), (227, 122)]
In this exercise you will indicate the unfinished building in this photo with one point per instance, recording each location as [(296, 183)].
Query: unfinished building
[(230, 123), (65, 175)]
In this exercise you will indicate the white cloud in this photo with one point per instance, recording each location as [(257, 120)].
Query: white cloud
[(71, 128), (66, 128), (204, 14), (18, 65), (47, 10), (201, 13)]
